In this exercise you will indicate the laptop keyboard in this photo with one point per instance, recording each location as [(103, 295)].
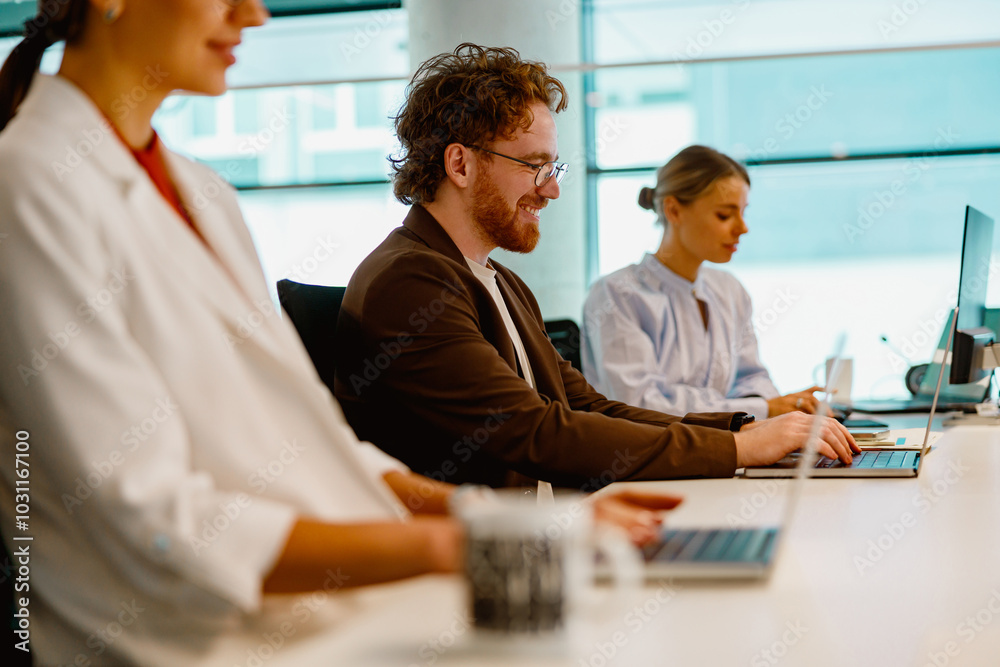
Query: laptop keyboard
[(873, 459), (716, 546)]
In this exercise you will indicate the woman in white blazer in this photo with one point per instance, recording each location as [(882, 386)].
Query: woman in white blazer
[(178, 455)]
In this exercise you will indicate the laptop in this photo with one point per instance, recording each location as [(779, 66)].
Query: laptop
[(977, 247), (732, 553), (874, 461)]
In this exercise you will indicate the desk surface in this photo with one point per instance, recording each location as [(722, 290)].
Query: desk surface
[(874, 572)]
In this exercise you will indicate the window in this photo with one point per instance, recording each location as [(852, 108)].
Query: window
[(861, 165), (309, 158), (643, 31)]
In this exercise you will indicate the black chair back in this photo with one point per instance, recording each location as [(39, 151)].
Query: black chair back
[(313, 310), (565, 337)]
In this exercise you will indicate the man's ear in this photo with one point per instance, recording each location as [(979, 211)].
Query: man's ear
[(459, 165)]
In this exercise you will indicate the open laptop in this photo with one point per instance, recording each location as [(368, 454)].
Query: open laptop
[(733, 553), (872, 462), (977, 247)]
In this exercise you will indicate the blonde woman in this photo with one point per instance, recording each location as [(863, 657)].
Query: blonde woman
[(669, 333)]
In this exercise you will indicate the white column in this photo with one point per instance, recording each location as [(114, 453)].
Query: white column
[(547, 31)]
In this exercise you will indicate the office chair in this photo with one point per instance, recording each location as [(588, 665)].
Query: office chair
[(313, 310), (565, 337)]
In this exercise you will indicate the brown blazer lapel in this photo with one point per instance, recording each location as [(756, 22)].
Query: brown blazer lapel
[(544, 366), (426, 229)]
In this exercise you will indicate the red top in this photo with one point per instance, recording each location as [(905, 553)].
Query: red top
[(151, 159)]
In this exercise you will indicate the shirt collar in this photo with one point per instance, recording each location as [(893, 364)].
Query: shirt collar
[(484, 273), (656, 275)]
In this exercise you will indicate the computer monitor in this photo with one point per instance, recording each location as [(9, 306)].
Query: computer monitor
[(971, 333), (959, 393)]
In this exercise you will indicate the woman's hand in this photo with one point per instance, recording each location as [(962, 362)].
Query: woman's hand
[(638, 512), (803, 401)]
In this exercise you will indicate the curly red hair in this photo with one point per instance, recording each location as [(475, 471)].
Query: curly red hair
[(471, 97)]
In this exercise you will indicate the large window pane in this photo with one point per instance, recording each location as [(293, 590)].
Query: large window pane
[(296, 135), (350, 45), (819, 106), (319, 235), (653, 30)]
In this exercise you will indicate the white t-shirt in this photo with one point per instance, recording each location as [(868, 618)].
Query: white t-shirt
[(488, 277)]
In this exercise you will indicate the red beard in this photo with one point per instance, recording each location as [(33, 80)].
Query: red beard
[(497, 222)]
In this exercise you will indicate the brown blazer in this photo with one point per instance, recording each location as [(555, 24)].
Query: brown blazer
[(427, 371)]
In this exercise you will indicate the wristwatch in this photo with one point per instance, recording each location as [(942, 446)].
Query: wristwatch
[(740, 419)]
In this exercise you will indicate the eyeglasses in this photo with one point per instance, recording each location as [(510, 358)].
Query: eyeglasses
[(543, 172)]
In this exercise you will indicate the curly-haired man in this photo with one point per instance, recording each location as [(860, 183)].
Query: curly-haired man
[(442, 355)]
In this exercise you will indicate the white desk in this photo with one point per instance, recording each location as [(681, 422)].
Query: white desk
[(906, 603)]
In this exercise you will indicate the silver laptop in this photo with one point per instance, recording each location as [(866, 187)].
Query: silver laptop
[(735, 553), (872, 462)]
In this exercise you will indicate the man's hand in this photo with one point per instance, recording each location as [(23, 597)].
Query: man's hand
[(803, 401), (770, 440), (638, 512)]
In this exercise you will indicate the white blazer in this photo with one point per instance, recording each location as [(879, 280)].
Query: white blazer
[(175, 426)]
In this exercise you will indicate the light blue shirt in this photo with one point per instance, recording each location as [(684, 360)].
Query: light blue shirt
[(644, 342)]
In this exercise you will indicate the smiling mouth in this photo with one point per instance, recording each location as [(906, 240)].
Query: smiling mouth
[(225, 51)]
